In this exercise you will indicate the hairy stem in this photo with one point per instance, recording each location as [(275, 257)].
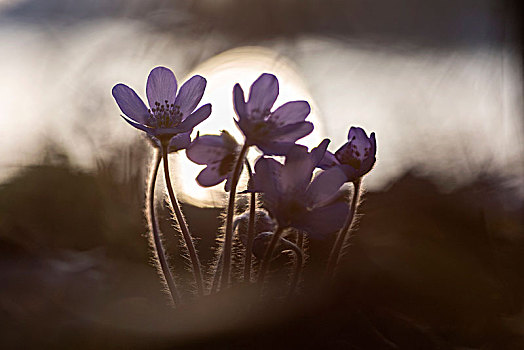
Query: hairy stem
[(266, 261), (195, 263), (228, 240), (216, 277), (299, 263), (334, 257), (250, 230), (157, 241)]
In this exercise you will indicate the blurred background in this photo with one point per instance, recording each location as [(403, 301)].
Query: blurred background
[(438, 259)]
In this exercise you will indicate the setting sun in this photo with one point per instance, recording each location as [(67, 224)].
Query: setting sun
[(241, 65)]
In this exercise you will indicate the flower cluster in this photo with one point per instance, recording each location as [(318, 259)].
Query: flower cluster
[(303, 193)]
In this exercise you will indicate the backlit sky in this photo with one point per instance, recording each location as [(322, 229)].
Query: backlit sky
[(449, 111)]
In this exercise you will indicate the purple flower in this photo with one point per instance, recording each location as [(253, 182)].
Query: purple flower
[(219, 153), (273, 132), (356, 157), (295, 199), (169, 114)]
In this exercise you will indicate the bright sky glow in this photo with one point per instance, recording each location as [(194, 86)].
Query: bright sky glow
[(242, 65)]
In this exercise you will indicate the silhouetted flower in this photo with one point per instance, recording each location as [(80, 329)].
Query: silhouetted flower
[(294, 199), (219, 153), (273, 132), (169, 114), (356, 157)]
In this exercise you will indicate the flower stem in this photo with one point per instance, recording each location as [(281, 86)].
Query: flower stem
[(197, 272), (157, 241), (226, 267), (250, 230), (268, 255), (216, 277), (299, 263), (334, 257)]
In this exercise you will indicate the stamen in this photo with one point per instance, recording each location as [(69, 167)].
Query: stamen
[(165, 115)]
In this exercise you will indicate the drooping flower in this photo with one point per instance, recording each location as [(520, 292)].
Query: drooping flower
[(263, 223), (295, 199), (169, 114), (273, 132), (356, 157), (264, 228), (219, 153)]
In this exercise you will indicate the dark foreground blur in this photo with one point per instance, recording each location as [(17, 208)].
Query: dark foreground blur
[(426, 270)]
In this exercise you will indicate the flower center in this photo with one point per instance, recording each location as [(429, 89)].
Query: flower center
[(293, 210), (262, 125), (164, 116), (261, 128)]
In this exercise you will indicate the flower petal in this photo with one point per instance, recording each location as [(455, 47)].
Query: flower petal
[(179, 142), (142, 127), (161, 86), (210, 176), (195, 118), (275, 148), (369, 162), (356, 133), (324, 187), (329, 160), (299, 166), (360, 144), (297, 170), (318, 152), (373, 142), (367, 165), (283, 139), (227, 185), (190, 95), (290, 113), (263, 93), (292, 132), (130, 104), (207, 149), (323, 221), (267, 179), (267, 172), (238, 101)]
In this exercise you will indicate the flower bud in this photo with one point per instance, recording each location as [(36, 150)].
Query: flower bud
[(263, 223)]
